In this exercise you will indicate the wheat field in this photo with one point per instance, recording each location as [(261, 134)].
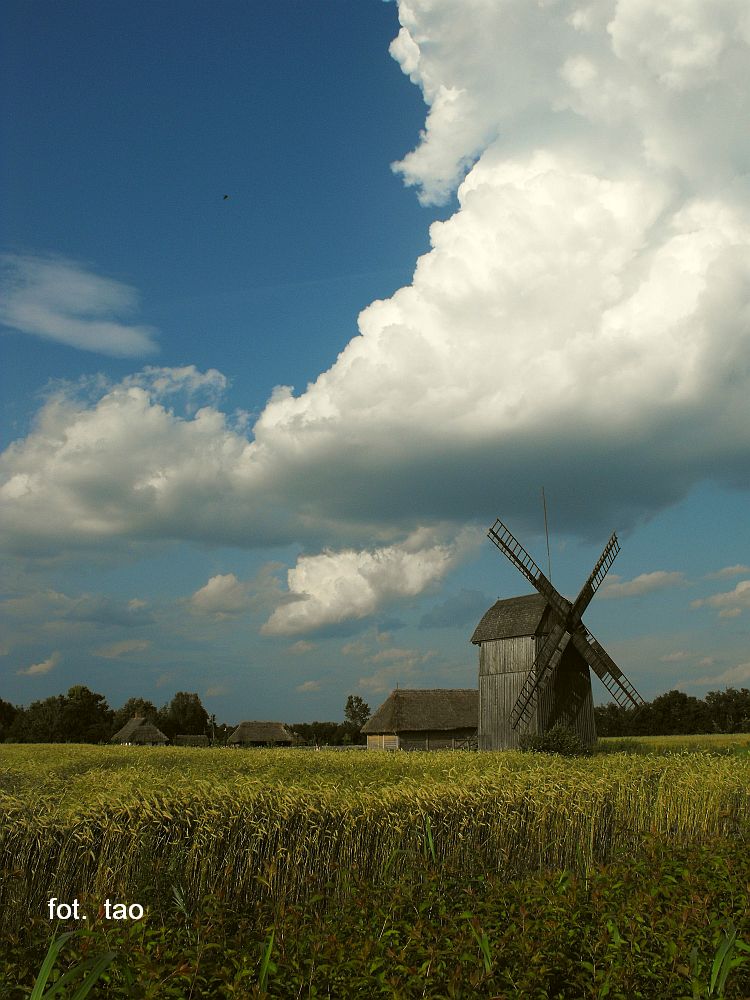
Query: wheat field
[(139, 823)]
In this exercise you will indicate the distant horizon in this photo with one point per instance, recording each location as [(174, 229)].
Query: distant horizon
[(373, 707)]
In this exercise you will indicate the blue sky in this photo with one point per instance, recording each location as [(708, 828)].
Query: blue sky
[(252, 444)]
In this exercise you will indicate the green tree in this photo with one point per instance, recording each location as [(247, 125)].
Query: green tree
[(322, 733), (674, 713), (611, 720), (729, 710), (8, 713), (41, 722), (86, 716), (356, 711), (184, 715), (356, 714)]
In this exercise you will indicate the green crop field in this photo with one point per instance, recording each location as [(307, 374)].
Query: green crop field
[(220, 836)]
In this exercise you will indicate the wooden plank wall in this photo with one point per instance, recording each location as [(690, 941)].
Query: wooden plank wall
[(505, 656), (503, 666), (438, 739), (568, 702), (385, 741), (432, 740)]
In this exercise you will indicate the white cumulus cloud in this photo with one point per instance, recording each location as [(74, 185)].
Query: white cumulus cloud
[(730, 603), (737, 570), (734, 675), (614, 586), (676, 657), (338, 586), (223, 596)]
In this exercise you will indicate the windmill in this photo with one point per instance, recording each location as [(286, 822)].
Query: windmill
[(535, 655)]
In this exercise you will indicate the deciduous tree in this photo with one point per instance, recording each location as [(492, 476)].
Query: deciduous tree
[(185, 715)]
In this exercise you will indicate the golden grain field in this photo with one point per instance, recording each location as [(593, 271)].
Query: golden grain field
[(136, 823)]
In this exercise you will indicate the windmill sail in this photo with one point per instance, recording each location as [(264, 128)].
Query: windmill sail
[(598, 573), (521, 559), (606, 669), (566, 626), (540, 674)]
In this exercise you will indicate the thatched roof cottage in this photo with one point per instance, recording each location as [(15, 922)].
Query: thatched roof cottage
[(436, 719), (261, 734), (139, 732)]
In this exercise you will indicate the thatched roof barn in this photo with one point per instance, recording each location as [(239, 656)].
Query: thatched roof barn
[(261, 734), (436, 719), (139, 731), (510, 635), (185, 740)]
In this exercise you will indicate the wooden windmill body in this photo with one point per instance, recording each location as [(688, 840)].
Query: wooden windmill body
[(535, 654)]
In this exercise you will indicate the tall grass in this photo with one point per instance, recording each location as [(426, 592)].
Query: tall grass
[(131, 824)]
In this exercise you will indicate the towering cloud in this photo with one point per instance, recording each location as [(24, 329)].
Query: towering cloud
[(583, 317)]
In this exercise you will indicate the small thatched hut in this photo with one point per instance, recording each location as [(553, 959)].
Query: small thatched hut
[(139, 732), (261, 734), (437, 719)]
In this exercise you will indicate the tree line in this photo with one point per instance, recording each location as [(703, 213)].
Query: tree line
[(83, 716), (678, 714)]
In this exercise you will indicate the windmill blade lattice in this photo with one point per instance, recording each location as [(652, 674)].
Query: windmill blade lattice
[(512, 548), (606, 669), (598, 573)]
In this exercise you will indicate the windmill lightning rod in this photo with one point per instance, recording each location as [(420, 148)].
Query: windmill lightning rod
[(546, 532)]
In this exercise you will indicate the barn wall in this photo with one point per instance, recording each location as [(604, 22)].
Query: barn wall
[(382, 741), (439, 739)]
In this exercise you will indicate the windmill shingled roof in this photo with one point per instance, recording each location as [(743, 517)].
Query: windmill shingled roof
[(512, 617), (416, 711)]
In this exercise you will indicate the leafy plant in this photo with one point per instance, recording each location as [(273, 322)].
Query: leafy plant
[(429, 843), (91, 969), (483, 942), (563, 740), (266, 964), (725, 960)]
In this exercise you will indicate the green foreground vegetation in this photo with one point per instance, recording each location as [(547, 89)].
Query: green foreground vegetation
[(286, 873)]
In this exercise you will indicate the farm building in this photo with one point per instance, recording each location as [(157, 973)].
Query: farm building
[(509, 637), (139, 731), (437, 719), (261, 734), (190, 741)]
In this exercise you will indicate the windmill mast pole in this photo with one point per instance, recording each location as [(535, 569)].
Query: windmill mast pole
[(546, 532)]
